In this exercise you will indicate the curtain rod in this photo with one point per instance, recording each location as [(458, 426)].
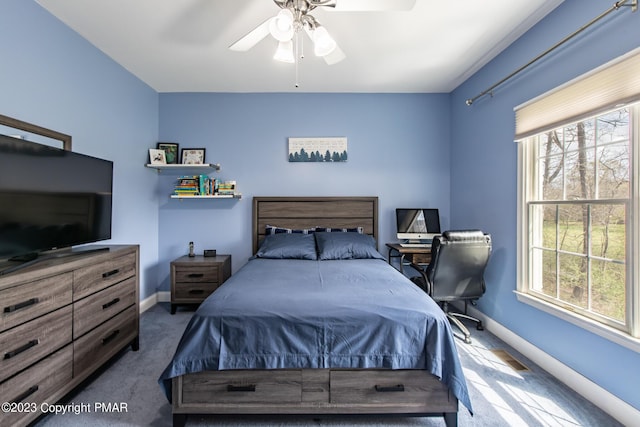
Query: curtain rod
[(616, 6)]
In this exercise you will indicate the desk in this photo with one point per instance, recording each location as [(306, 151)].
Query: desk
[(411, 254)]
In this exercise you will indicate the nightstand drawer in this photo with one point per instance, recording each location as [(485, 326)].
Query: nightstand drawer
[(22, 303), (30, 342), (195, 292), (95, 309), (199, 274)]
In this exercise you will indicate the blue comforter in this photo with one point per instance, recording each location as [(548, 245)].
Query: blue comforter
[(283, 313)]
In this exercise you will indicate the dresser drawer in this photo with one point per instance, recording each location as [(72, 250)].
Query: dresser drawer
[(90, 279), (242, 386), (91, 311), (379, 387), (198, 274), (96, 347), (30, 342), (24, 302), (43, 382)]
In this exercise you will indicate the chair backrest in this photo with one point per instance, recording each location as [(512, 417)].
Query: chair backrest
[(458, 261)]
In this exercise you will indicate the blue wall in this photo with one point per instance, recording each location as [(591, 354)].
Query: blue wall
[(484, 177), (410, 150), (397, 144), (52, 77)]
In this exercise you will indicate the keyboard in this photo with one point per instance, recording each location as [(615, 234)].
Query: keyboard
[(415, 245)]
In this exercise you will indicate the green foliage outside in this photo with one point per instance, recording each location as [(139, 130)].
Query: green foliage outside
[(606, 285)]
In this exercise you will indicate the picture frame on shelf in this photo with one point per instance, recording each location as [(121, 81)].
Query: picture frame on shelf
[(172, 155), (157, 157), (192, 156)]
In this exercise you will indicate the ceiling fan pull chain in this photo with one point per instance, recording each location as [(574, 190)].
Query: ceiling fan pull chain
[(301, 41), (297, 60)]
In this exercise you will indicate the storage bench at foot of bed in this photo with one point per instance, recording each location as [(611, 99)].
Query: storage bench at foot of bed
[(313, 392)]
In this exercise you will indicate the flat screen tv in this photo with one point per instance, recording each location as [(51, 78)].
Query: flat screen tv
[(50, 199), (417, 225)]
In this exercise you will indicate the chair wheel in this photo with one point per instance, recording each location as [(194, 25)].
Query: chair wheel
[(480, 327)]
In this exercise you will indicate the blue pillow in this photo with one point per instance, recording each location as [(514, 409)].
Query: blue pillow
[(288, 246), (346, 246)]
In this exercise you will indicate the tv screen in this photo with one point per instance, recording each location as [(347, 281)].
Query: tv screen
[(51, 198), (417, 224)]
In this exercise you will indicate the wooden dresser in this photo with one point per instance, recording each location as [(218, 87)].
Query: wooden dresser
[(60, 320)]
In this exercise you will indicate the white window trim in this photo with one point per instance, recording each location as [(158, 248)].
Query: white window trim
[(614, 335)]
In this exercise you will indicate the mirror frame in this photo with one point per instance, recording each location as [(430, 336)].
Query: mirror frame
[(39, 130)]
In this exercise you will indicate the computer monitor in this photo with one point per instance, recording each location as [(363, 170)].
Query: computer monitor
[(417, 225)]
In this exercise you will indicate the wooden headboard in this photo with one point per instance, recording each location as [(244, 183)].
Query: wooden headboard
[(308, 212)]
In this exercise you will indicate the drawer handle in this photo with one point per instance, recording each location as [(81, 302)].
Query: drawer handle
[(19, 350), (110, 273), (248, 387), (20, 305), (26, 394), (110, 337), (389, 388), (196, 291), (110, 303), (195, 275)]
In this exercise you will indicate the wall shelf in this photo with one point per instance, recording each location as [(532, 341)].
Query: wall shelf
[(204, 169), (180, 168), (217, 196)]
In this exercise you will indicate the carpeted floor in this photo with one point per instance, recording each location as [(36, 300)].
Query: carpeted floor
[(501, 395)]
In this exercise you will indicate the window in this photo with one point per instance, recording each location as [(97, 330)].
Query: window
[(579, 207)]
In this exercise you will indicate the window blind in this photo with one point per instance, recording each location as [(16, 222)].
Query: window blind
[(613, 84)]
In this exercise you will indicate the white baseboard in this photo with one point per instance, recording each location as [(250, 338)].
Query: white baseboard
[(611, 404), (153, 299), (164, 296)]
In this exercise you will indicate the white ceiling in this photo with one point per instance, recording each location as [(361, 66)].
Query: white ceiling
[(182, 45)]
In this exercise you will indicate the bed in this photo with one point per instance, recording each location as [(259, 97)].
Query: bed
[(316, 323)]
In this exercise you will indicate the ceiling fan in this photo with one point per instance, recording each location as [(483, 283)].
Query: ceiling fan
[(295, 17)]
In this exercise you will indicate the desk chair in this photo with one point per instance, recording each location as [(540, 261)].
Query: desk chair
[(456, 272)]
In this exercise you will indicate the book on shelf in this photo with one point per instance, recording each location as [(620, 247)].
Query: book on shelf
[(203, 185)]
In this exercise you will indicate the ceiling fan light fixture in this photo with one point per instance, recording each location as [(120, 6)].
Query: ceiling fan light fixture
[(323, 43), (281, 26), (284, 52)]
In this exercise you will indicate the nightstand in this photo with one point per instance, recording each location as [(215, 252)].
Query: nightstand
[(194, 278)]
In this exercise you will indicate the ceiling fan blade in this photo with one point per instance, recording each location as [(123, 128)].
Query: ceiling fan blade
[(372, 5), (252, 38), (334, 57)]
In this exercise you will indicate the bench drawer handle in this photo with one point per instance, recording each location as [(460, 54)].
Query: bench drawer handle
[(248, 387), (387, 389), (195, 275), (196, 291)]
